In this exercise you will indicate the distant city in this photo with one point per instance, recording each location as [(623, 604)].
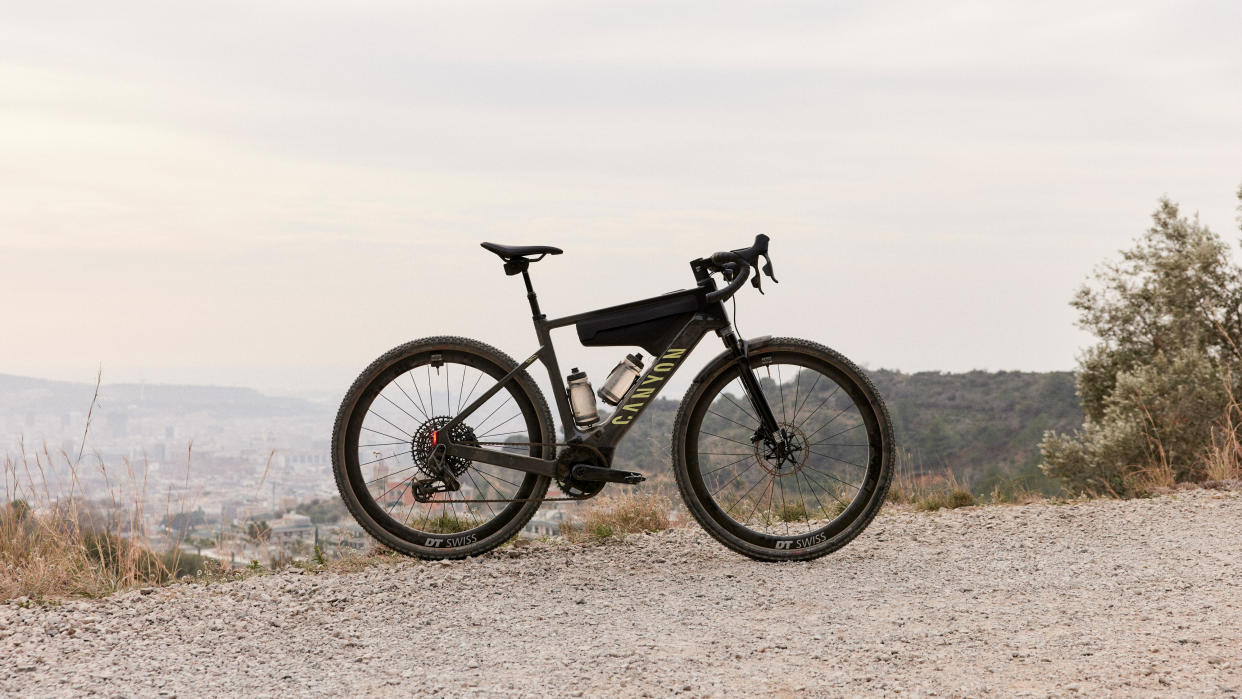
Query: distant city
[(228, 473), (222, 457)]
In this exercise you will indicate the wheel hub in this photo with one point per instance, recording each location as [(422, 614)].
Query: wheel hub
[(430, 433), (785, 458)]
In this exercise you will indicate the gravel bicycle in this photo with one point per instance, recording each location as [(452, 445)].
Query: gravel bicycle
[(444, 447)]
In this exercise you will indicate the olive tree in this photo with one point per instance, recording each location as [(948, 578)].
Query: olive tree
[(1168, 318)]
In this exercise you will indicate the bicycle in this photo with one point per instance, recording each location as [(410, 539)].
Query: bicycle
[(776, 469)]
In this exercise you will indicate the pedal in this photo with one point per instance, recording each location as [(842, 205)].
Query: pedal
[(584, 472)]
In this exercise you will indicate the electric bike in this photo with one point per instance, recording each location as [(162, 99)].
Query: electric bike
[(782, 449)]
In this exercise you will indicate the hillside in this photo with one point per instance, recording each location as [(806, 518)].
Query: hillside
[(985, 426), (1099, 598), (20, 396)]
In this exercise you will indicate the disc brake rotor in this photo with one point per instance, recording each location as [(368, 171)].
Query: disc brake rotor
[(786, 459)]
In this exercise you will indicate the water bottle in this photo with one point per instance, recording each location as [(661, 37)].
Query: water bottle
[(622, 379), (582, 399)]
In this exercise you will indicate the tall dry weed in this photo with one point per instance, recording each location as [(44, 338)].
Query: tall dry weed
[(912, 485), (1222, 460), (55, 541), (617, 515)]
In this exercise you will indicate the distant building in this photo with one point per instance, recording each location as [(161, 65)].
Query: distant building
[(290, 528)]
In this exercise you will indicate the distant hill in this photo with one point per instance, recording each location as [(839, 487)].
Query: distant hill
[(984, 426), (20, 395)]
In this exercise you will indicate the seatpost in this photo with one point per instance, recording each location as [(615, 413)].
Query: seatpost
[(530, 296)]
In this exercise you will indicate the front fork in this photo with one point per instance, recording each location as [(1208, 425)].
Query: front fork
[(769, 428)]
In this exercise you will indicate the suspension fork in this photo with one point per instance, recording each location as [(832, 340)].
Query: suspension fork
[(769, 429)]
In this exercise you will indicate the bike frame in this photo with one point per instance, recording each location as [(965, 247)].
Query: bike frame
[(707, 317)]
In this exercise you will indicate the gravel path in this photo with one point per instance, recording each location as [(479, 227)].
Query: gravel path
[(1136, 597)]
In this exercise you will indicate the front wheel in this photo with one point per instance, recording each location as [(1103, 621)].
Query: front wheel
[(816, 492)]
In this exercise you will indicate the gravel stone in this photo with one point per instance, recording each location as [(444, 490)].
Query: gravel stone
[(1085, 598)]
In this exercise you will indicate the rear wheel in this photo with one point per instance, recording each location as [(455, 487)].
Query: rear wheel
[(384, 434), (805, 496)]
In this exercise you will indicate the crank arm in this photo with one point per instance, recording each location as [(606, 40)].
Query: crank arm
[(517, 462)]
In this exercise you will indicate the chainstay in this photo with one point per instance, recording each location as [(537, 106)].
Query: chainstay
[(498, 500)]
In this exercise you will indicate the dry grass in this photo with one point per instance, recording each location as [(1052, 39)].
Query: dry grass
[(1222, 461), (55, 542), (926, 492), (612, 517), (1015, 494)]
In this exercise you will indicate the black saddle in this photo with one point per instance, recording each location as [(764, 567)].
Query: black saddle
[(508, 252), (518, 257)]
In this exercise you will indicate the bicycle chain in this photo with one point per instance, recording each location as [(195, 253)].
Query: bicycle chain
[(521, 444)]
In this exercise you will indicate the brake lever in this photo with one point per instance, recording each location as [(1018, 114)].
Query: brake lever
[(767, 269)]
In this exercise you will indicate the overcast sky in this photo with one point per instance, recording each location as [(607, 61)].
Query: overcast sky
[(271, 194)]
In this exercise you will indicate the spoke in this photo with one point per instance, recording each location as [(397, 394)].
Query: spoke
[(838, 435), (401, 441), (755, 509), (713, 412), (375, 480), (798, 408), (461, 388), (834, 417), (466, 507), (470, 472), (744, 410), (748, 492), (784, 505), (398, 407), (489, 432), (737, 476), (472, 389), (381, 444), (724, 453), (844, 505), (489, 415), (430, 396), (851, 463), (748, 456), (515, 485), (405, 483), (821, 404), (389, 422), (373, 461), (414, 383), (824, 473), (811, 485), (820, 444), (397, 382), (726, 438), (410, 513)]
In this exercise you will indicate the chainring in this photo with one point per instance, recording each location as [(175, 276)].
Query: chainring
[(578, 454)]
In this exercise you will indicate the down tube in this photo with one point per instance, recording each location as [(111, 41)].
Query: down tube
[(651, 383)]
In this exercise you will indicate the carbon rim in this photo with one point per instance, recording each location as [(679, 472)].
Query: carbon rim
[(385, 445), (814, 493)]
